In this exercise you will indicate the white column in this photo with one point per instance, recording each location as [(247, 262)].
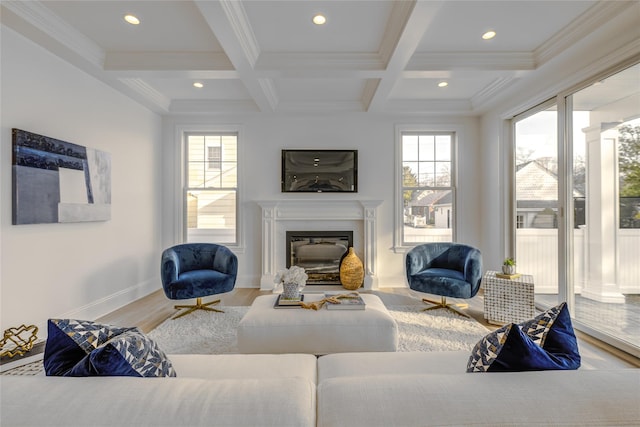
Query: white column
[(370, 246), (268, 245), (601, 213)]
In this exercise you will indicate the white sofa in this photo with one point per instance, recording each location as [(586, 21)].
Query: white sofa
[(346, 389), (210, 390), (433, 389)]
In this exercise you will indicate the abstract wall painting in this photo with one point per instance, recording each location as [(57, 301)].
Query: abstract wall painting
[(56, 181)]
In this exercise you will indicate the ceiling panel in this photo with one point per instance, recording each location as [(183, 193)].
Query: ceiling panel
[(285, 26), (165, 25), (460, 88), (218, 89), (521, 25)]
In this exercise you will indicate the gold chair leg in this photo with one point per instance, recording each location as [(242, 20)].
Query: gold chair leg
[(443, 304), (197, 306)]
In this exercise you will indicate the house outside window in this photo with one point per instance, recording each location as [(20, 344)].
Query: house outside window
[(427, 187), (211, 187), (214, 156)]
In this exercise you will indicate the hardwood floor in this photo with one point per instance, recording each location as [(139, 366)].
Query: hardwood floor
[(148, 312)]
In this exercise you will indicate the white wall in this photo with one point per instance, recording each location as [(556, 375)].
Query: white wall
[(80, 270), (263, 136)]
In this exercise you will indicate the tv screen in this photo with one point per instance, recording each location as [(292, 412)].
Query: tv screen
[(319, 171)]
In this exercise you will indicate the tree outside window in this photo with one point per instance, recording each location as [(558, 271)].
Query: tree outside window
[(427, 187)]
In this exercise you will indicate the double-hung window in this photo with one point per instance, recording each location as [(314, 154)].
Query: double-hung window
[(427, 187), (211, 187)]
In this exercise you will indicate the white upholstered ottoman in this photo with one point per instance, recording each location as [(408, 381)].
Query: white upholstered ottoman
[(265, 329)]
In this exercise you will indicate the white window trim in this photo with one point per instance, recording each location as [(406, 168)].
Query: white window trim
[(398, 220), (179, 150)]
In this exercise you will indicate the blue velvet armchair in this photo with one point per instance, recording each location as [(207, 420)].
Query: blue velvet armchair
[(196, 270), (446, 269)]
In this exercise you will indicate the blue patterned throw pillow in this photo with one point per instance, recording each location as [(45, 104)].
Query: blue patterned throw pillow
[(542, 343), (130, 354), (70, 340), (83, 348)]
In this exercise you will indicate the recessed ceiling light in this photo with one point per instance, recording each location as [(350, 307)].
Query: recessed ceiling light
[(131, 19), (489, 35), (319, 19), (443, 84), (198, 85)]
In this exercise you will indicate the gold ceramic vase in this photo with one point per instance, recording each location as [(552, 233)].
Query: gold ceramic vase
[(351, 271)]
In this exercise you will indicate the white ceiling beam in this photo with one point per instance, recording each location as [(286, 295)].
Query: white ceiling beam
[(229, 23), (410, 24)]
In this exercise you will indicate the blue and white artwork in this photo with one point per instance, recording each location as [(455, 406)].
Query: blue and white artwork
[(57, 181)]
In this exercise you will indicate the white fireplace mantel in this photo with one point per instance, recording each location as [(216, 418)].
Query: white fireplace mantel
[(280, 214)]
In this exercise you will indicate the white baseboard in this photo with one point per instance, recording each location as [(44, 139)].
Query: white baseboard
[(114, 301)]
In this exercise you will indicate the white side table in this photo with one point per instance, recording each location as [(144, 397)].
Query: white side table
[(507, 300)]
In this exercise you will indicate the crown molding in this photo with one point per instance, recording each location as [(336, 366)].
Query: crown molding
[(594, 17), (119, 61), (40, 17), (491, 90), (320, 61), (187, 106), (437, 106), (147, 92), (320, 107), (472, 61)]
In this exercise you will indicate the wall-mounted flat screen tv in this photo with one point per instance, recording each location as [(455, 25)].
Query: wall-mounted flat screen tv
[(320, 171)]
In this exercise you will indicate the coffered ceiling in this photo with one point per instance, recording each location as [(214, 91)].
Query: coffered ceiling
[(267, 55)]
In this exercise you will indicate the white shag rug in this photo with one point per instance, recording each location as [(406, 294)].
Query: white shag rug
[(203, 332)]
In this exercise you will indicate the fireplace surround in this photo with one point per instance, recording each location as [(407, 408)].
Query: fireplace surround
[(280, 216)]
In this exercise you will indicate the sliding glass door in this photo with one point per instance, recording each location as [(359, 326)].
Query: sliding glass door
[(580, 154), (536, 196), (605, 125)]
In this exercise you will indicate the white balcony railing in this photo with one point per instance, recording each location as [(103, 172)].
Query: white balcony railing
[(537, 254)]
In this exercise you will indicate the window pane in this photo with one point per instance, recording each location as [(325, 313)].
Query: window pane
[(606, 237), (211, 188), (536, 185), (443, 174), (426, 174), (427, 147), (428, 216), (427, 188), (410, 174), (443, 147), (410, 147), (213, 211)]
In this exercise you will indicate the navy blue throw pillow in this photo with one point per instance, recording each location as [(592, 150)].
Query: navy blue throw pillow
[(70, 340), (130, 354), (546, 342), (84, 348)]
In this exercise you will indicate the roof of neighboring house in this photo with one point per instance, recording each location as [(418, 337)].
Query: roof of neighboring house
[(433, 198), (535, 182)]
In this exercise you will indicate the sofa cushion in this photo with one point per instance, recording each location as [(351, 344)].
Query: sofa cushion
[(559, 398), (139, 402), (130, 354), (69, 341), (391, 363), (245, 366), (544, 342)]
